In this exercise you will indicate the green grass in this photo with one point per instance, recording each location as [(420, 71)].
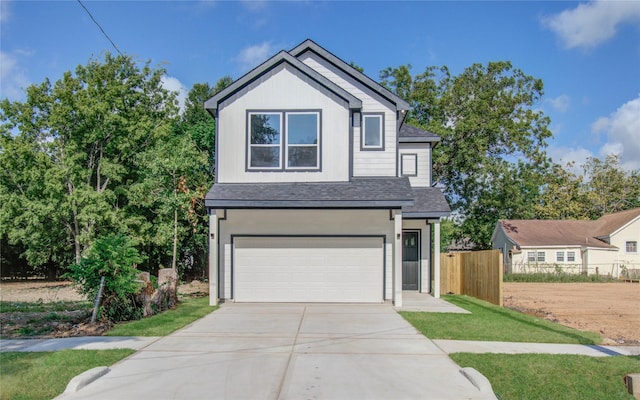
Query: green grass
[(554, 277), (493, 323), (36, 376), (189, 310), (553, 377), (39, 306)]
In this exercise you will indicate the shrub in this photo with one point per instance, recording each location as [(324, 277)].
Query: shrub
[(558, 277), (115, 258)]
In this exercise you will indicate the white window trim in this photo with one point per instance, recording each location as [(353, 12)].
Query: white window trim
[(561, 254), (250, 145), (571, 254), (363, 132), (287, 145), (626, 248)]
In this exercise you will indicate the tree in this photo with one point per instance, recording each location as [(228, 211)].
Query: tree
[(69, 155), (610, 188), (603, 188), (491, 161)]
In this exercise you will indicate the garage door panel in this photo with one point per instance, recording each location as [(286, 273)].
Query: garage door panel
[(317, 269)]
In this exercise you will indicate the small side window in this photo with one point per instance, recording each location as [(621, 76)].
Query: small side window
[(372, 132), (631, 246)]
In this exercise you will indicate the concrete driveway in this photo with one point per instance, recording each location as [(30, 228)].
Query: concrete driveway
[(288, 351)]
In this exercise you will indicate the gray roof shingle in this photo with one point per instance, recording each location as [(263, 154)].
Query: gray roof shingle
[(410, 133), (428, 202), (360, 192)]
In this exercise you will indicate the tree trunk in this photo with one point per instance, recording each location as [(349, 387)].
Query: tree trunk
[(175, 238)]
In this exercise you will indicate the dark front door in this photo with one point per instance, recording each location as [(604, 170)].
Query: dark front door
[(410, 260)]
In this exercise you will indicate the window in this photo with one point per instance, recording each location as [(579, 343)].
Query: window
[(571, 256), (302, 140), (632, 247), (541, 256), (265, 130), (531, 256), (284, 140), (560, 256), (409, 165), (372, 132)]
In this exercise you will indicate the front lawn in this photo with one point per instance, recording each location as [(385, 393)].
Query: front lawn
[(557, 377), (42, 376), (188, 310), (492, 323)]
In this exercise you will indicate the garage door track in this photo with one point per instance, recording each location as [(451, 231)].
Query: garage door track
[(289, 351)]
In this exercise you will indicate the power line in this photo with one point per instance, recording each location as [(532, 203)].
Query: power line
[(101, 30)]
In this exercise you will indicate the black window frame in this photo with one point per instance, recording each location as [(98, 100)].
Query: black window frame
[(284, 141)]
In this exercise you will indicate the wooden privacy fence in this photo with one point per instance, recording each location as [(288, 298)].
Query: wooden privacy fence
[(477, 274)]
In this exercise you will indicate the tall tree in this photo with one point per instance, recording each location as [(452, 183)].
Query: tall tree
[(492, 138), (78, 139)]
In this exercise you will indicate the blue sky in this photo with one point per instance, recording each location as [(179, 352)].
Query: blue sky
[(587, 53)]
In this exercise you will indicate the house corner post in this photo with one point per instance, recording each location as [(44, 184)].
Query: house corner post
[(436, 259), (397, 259), (213, 257)]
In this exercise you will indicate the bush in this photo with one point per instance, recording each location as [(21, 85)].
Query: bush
[(113, 257), (559, 277)]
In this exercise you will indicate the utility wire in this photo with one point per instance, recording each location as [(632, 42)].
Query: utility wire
[(102, 30)]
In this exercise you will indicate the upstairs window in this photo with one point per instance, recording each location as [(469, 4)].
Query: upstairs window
[(303, 130), (372, 132), (284, 140), (265, 130), (631, 247)]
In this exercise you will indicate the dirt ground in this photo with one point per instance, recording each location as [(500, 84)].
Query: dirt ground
[(69, 322), (610, 309)]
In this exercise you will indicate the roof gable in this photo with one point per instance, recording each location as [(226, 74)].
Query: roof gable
[(310, 45), (212, 104), (611, 223)]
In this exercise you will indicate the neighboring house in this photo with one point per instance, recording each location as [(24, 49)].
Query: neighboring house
[(322, 192), (607, 246)]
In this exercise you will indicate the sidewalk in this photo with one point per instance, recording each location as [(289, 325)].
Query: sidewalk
[(448, 346)]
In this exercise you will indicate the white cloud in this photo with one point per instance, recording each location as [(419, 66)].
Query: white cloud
[(560, 103), (576, 155), (251, 56), (592, 23), (173, 84), (13, 77), (622, 129)]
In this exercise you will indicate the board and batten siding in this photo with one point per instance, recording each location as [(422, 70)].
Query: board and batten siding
[(423, 152), (282, 89), (365, 162), (307, 223)]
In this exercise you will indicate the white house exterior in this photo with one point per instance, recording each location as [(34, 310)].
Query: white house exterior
[(322, 192), (607, 246)]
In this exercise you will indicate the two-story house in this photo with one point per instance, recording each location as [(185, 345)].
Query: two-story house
[(322, 192)]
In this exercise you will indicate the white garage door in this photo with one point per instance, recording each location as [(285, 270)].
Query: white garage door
[(308, 269)]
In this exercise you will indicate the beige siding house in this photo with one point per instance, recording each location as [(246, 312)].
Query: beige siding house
[(322, 192), (607, 246)]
